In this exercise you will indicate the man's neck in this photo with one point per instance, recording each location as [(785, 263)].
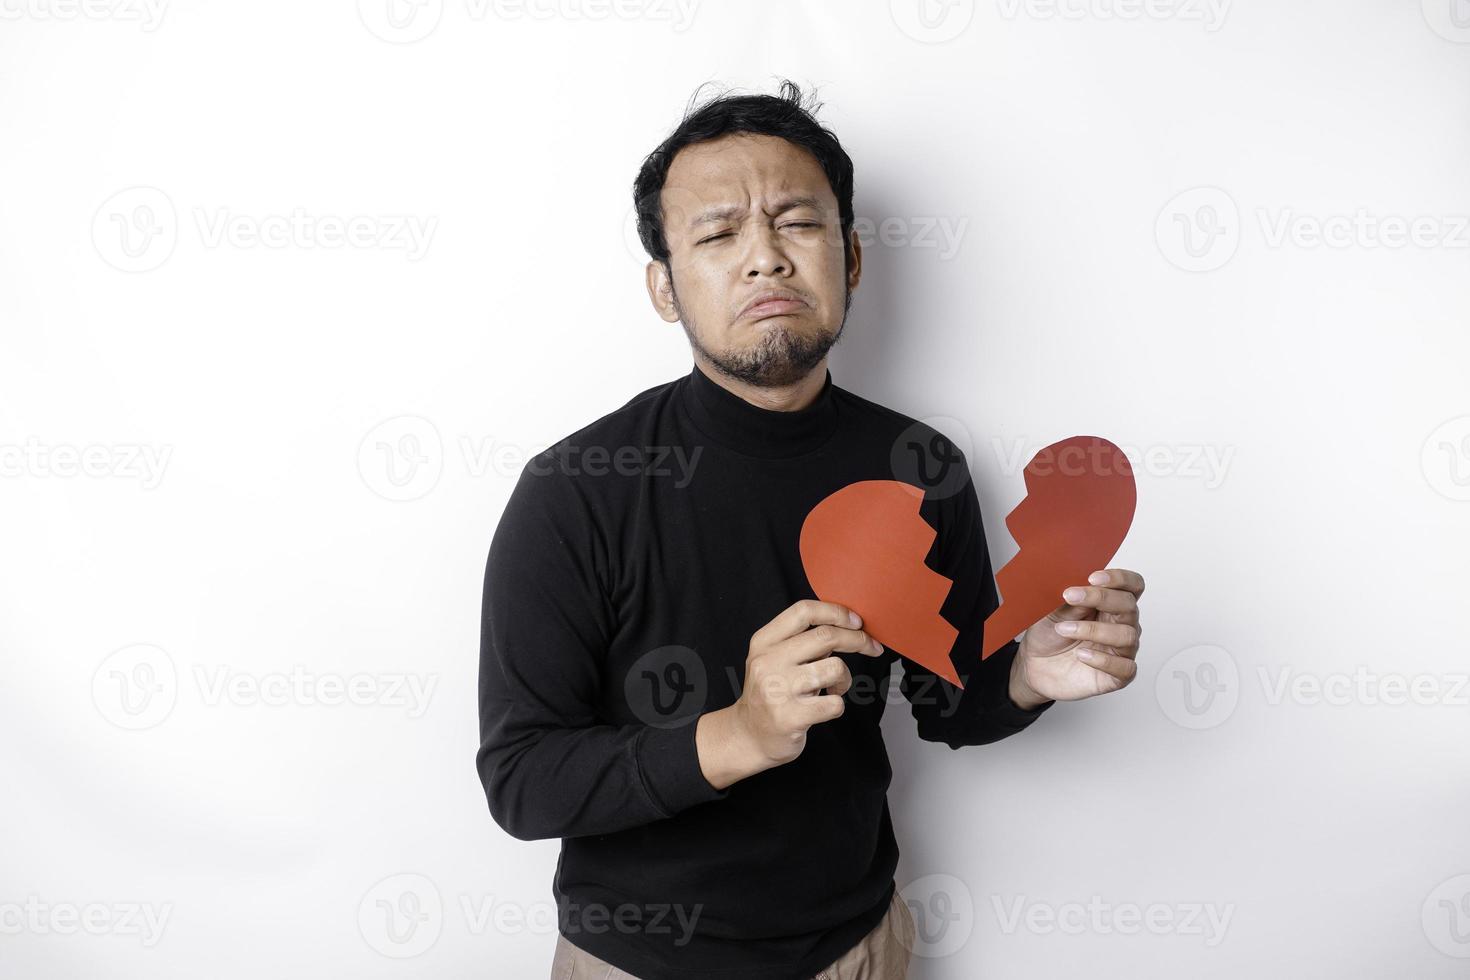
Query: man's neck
[(782, 398)]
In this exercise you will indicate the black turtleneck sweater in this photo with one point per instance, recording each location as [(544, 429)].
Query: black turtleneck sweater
[(633, 562)]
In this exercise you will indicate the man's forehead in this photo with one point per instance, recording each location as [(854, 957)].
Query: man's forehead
[(725, 178), (722, 210)]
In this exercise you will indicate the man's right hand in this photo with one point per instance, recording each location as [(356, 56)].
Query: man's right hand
[(788, 666)]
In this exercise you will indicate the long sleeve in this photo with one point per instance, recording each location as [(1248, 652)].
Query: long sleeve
[(983, 712), (549, 765)]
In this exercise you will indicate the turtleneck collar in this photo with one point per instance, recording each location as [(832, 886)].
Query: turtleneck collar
[(735, 423)]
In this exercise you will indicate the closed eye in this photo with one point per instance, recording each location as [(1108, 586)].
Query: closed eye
[(789, 224)]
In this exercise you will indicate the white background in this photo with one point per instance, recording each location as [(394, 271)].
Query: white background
[(242, 475)]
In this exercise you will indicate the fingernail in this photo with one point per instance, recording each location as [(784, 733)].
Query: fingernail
[(854, 618), (1085, 654), (1098, 578), (1068, 628), (1074, 594), (876, 644)]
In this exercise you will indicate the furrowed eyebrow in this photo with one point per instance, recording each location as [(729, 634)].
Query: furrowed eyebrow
[(712, 215)]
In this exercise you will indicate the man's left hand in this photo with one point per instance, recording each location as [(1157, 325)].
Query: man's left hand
[(1085, 647)]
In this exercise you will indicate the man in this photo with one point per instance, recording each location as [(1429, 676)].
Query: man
[(659, 686)]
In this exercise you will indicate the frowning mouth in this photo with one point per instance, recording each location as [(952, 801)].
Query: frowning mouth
[(775, 303)]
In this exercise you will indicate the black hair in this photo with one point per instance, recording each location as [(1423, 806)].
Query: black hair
[(787, 116)]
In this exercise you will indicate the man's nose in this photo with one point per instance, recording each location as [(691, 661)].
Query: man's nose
[(767, 255)]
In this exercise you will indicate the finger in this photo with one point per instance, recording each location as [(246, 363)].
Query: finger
[(1118, 635), (1109, 663), (1103, 600), (802, 615), (829, 672), (843, 685), (814, 711), (1118, 578), (820, 641)]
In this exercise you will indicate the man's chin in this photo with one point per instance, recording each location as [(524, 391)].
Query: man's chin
[(784, 365)]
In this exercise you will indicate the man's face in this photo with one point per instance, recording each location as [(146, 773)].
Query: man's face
[(747, 215)]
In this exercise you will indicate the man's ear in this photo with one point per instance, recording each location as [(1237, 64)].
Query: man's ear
[(855, 266), (661, 290)]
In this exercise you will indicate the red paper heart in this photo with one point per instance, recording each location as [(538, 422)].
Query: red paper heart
[(1080, 498), (864, 546)]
